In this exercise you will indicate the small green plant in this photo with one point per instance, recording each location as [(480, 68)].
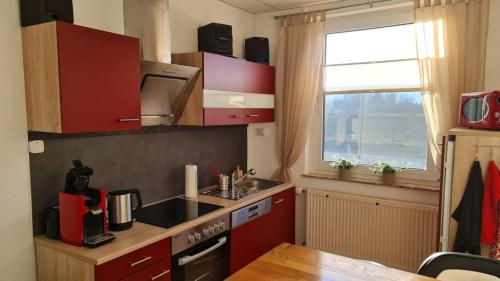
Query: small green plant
[(380, 168), (342, 163)]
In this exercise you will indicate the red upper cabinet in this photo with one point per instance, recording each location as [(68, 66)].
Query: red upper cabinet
[(231, 91), (223, 116), (99, 76), (236, 75), (80, 79)]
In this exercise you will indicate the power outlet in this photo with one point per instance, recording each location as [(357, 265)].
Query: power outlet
[(36, 146), (261, 132)]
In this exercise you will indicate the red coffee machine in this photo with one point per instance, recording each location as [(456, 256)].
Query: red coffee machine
[(82, 210)]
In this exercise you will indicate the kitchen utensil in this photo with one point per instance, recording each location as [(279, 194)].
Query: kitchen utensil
[(82, 210), (223, 182), (120, 208)]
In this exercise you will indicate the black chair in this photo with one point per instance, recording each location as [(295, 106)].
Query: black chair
[(439, 262)]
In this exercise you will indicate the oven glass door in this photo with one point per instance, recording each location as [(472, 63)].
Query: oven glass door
[(208, 261)]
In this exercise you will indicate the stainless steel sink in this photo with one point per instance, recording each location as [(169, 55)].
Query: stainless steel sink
[(242, 189), (257, 184)]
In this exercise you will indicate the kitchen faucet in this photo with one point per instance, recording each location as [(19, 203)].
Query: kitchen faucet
[(248, 173)]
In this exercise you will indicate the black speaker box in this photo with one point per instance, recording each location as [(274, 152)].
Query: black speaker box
[(216, 38), (40, 11), (257, 50)]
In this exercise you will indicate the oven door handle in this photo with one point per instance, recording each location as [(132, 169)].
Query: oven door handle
[(187, 259)]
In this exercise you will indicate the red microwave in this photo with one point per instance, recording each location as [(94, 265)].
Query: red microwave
[(480, 110)]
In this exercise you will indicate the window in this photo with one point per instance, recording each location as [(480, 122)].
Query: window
[(372, 104)]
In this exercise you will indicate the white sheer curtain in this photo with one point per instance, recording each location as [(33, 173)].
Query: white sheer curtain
[(298, 82), (451, 44)]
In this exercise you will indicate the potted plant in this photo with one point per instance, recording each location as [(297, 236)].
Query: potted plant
[(387, 171), (344, 166)]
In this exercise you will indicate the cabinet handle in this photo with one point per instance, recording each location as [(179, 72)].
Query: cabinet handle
[(253, 115), (132, 264), (234, 116), (129, 119), (164, 272), (279, 201)]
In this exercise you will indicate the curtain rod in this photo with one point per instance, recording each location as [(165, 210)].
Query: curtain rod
[(338, 8)]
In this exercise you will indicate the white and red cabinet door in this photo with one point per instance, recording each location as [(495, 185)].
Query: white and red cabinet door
[(237, 91), (99, 76), (223, 116), (236, 75)]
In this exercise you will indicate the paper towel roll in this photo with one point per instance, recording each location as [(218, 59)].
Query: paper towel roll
[(191, 183)]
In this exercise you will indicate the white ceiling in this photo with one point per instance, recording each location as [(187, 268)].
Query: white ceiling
[(264, 6)]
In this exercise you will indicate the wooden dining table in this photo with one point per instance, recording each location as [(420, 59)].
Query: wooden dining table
[(292, 262)]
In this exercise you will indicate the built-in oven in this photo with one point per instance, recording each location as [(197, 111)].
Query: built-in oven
[(202, 252)]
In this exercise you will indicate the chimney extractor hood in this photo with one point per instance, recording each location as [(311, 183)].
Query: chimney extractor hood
[(165, 90)]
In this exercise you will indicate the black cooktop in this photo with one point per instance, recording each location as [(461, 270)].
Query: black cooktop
[(173, 212)]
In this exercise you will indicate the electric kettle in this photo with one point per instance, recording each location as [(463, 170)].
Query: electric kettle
[(120, 208)]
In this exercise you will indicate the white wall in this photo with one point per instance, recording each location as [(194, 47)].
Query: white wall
[(104, 15), (492, 51), (16, 243), (17, 259), (188, 15)]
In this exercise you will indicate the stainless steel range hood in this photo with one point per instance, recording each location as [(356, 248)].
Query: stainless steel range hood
[(165, 87), (165, 90)]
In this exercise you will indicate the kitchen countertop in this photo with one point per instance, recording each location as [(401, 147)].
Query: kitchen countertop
[(141, 234), (291, 262)]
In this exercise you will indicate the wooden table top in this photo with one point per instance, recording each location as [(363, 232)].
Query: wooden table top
[(141, 234), (292, 262)]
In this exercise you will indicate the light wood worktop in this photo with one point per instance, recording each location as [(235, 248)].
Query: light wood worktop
[(291, 262), (141, 234), (473, 132)]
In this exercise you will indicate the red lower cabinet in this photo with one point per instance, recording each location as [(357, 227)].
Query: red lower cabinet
[(157, 272), (255, 238), (283, 218), (150, 261), (250, 241)]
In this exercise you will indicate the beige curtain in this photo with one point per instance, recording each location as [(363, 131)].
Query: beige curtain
[(451, 44), (298, 82)]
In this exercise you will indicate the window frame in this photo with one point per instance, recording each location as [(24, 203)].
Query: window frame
[(315, 166)]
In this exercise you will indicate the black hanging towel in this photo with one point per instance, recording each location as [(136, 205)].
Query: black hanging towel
[(468, 213)]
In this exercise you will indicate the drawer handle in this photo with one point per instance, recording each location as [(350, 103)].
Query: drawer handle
[(132, 264), (253, 115), (279, 201), (163, 273), (234, 116), (129, 119)]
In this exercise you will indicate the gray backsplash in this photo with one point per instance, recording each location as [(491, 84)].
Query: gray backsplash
[(152, 160)]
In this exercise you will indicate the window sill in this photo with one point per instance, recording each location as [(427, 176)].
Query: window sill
[(427, 185)]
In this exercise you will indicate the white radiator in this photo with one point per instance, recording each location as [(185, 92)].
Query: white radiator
[(396, 234)]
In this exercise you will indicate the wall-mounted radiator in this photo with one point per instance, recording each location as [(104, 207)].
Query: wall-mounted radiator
[(396, 234)]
